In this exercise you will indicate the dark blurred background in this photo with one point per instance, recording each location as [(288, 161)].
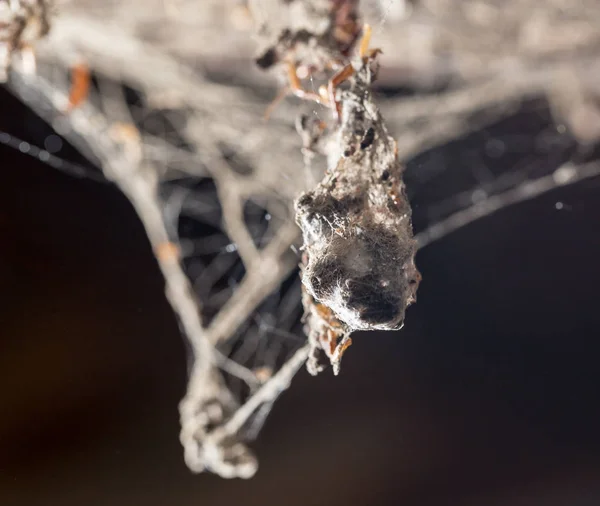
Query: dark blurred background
[(487, 397)]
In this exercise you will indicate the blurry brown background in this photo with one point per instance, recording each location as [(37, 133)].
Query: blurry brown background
[(487, 397)]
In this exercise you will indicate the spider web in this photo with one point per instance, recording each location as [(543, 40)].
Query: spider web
[(227, 179)]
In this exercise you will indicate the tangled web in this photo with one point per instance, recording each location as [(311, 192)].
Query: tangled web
[(174, 118)]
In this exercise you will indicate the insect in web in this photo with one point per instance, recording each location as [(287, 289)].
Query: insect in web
[(358, 269)]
